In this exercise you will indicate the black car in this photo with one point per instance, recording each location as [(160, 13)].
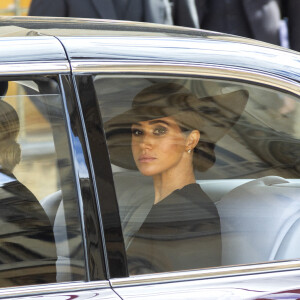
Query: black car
[(99, 120)]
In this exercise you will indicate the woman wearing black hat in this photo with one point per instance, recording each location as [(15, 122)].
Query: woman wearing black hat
[(172, 134)]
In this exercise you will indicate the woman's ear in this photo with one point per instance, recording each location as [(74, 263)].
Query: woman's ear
[(192, 139)]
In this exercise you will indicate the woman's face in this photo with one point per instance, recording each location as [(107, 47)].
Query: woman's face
[(158, 146)]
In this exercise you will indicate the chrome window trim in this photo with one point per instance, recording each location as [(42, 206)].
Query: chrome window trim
[(65, 287), (163, 68), (35, 68), (214, 273)]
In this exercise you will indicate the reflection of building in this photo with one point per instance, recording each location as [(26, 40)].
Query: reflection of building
[(36, 141), (14, 7)]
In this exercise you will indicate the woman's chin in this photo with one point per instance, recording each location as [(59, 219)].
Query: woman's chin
[(147, 171)]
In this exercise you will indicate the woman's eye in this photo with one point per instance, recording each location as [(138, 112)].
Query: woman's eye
[(160, 130), (136, 132)]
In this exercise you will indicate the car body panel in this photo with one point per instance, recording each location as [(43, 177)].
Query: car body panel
[(64, 291), (88, 206), (167, 50), (151, 68), (233, 287), (257, 281), (20, 50), (102, 40)]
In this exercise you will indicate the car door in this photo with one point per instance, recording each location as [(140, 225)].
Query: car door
[(253, 182), (51, 243)]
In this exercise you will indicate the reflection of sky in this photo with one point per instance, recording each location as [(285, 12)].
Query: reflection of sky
[(192, 50), (41, 48), (79, 160), (4, 179)]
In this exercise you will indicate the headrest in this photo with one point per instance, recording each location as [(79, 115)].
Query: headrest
[(255, 218)]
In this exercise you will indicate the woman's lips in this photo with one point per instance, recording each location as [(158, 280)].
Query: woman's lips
[(146, 158)]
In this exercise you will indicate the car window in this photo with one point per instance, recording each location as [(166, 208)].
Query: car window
[(40, 235), (206, 171)]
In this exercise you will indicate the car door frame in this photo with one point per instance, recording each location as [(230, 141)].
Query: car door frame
[(216, 276), (96, 276)]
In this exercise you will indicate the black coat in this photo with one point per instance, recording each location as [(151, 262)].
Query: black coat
[(292, 10), (154, 11), (259, 18), (180, 232), (27, 245)]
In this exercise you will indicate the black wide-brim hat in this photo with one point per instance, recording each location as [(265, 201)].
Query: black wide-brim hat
[(213, 116)]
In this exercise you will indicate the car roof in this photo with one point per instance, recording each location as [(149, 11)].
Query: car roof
[(16, 26), (40, 39), (59, 26)]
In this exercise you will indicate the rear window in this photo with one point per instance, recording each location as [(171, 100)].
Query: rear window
[(40, 235)]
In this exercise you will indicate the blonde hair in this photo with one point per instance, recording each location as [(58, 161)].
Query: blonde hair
[(10, 152)]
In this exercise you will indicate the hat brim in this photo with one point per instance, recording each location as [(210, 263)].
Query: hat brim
[(213, 116)]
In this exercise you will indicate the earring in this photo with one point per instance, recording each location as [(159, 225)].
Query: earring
[(189, 151)]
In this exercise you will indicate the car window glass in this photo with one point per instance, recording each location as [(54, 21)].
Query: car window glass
[(235, 202), (40, 235)]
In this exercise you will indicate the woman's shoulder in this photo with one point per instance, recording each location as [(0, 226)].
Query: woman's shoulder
[(189, 193), (18, 201), (190, 200)]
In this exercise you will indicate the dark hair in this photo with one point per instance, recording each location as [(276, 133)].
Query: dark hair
[(205, 151)]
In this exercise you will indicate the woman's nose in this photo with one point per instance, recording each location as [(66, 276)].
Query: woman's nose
[(146, 142)]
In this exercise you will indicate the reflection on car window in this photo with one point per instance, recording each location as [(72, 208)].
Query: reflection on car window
[(191, 159), (40, 238)]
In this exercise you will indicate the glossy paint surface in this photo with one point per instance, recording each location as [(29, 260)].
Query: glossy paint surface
[(24, 49), (195, 51), (87, 200), (232, 287), (103, 180), (63, 291), (122, 42), (140, 42)]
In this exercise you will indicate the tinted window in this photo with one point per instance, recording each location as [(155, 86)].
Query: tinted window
[(206, 171), (40, 236)]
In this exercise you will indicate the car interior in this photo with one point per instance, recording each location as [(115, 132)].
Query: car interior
[(256, 190), (254, 182), (259, 209), (44, 148)]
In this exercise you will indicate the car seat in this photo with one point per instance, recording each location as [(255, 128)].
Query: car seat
[(260, 221), (53, 206)]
